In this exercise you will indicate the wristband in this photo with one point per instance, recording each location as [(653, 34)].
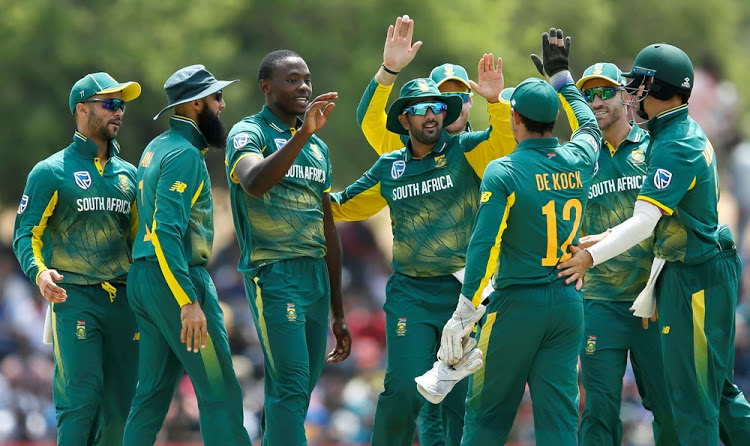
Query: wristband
[(389, 71)]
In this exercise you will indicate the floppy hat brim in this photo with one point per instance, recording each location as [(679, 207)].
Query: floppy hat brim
[(213, 88)]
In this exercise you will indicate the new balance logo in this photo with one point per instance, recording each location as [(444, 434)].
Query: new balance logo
[(178, 186)]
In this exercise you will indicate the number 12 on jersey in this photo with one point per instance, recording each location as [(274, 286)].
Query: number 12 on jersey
[(552, 247)]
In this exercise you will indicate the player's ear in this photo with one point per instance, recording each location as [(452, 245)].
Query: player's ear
[(404, 121)]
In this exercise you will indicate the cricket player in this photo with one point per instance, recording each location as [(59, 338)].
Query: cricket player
[(174, 299), (696, 272), (73, 239), (531, 207)]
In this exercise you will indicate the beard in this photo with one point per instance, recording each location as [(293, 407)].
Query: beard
[(212, 128), (427, 138), (100, 127)]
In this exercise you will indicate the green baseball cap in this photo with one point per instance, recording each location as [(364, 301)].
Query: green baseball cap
[(602, 70), (535, 99), (665, 63), (101, 83), (448, 71), (424, 89), (191, 83)]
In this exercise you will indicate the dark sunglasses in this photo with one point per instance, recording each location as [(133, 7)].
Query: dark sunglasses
[(465, 96), (219, 96), (110, 104), (604, 93), (420, 108)]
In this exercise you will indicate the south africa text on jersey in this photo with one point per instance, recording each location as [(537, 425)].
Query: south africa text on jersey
[(422, 187), (306, 173), (103, 204), (558, 180), (617, 185)]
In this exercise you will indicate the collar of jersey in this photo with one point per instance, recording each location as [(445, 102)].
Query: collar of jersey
[(664, 118), (84, 147), (635, 136), (275, 123), (188, 129), (439, 146), (538, 143)]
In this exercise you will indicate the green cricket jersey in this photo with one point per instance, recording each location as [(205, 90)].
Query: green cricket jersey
[(175, 207), (618, 178), (371, 117), (432, 203), (76, 214), (532, 205), (286, 222), (683, 182)]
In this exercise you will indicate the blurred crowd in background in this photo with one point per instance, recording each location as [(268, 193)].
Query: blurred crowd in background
[(343, 403)]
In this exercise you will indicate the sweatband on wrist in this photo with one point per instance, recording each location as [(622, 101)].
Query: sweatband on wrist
[(389, 71)]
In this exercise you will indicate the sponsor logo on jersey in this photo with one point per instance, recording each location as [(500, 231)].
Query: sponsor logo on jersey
[(178, 186), (316, 152), (81, 329), (103, 204), (397, 169), (291, 312), (240, 140), (591, 345), (83, 179), (401, 327), (279, 142), (662, 178), (440, 161), (596, 168), (306, 173), (637, 157), (592, 142), (123, 183), (22, 205), (621, 184), (485, 197), (137, 336), (665, 330)]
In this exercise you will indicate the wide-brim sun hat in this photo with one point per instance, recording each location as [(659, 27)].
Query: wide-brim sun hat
[(191, 83), (419, 90)]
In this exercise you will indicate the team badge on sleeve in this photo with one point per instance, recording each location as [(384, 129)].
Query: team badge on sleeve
[(22, 205), (240, 140), (592, 142), (83, 179), (662, 178), (398, 168)]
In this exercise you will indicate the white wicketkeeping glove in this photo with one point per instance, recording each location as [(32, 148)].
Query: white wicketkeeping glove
[(458, 328), (440, 379)]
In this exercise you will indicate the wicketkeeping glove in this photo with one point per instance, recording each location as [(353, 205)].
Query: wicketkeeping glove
[(457, 329), (555, 58), (441, 378)]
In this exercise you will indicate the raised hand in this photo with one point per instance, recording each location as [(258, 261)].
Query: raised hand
[(317, 113), (398, 50), (555, 53), (491, 80)]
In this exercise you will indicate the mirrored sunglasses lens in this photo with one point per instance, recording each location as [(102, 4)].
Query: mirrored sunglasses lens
[(114, 104)]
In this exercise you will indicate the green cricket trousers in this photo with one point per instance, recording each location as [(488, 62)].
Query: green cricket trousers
[(416, 309), (164, 360), (290, 301), (95, 341), (531, 334), (696, 306)]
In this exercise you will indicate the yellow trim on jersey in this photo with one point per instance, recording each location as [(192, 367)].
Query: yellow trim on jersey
[(373, 123), (664, 209), (36, 236), (232, 175), (494, 252), (263, 328), (700, 344), (359, 207), (484, 341), (99, 167), (501, 141), (179, 294), (692, 185), (196, 195), (60, 380)]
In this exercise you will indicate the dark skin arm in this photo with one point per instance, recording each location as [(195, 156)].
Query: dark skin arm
[(258, 175), (333, 261)]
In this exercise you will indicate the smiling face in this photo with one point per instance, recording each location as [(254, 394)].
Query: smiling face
[(289, 88), (425, 129), (607, 112)]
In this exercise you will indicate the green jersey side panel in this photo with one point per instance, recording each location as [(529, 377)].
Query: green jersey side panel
[(75, 215)]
